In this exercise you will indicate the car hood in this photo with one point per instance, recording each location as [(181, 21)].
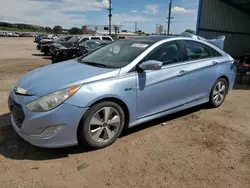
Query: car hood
[(58, 46), (54, 77)]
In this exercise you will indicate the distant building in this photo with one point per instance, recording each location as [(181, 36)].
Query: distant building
[(104, 30), (92, 29)]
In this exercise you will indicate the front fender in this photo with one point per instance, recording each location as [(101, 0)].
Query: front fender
[(122, 88)]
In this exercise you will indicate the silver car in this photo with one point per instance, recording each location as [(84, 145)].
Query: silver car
[(90, 100)]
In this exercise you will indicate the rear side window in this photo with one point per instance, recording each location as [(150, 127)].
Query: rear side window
[(106, 38), (167, 53), (197, 50), (95, 38)]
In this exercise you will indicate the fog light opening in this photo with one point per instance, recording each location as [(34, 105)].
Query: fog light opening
[(48, 132)]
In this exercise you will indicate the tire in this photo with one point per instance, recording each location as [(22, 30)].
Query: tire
[(214, 101), (97, 131)]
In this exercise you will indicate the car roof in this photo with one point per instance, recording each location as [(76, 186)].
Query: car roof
[(149, 39), (98, 41)]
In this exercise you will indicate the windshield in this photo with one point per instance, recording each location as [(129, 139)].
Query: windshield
[(117, 54), (64, 38), (74, 39)]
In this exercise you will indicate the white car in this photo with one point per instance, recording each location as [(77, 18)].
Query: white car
[(15, 35)]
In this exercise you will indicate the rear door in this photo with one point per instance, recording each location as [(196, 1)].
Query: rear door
[(203, 69)]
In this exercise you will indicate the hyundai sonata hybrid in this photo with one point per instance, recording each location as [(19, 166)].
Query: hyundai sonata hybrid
[(91, 99)]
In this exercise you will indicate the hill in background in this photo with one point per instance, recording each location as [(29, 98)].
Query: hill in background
[(5, 26)]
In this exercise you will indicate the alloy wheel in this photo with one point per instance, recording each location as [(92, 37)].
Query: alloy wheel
[(104, 124), (219, 92)]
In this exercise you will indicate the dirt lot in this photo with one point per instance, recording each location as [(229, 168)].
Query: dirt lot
[(195, 148)]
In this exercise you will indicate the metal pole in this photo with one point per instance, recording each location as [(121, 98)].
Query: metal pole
[(169, 15), (110, 15), (135, 26)]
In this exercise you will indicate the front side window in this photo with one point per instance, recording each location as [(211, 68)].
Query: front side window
[(82, 42), (64, 38), (116, 55), (197, 50), (167, 53), (74, 39)]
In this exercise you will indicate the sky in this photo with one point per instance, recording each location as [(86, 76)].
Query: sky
[(76, 13)]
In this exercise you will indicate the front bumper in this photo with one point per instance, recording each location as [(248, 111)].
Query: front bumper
[(35, 123), (38, 47)]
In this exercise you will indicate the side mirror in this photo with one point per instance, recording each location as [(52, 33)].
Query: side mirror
[(151, 65)]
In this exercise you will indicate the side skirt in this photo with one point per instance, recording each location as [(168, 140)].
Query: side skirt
[(185, 106)]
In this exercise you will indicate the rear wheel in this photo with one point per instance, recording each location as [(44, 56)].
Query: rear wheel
[(218, 93), (101, 125)]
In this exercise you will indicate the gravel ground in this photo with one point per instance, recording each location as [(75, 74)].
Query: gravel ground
[(199, 147)]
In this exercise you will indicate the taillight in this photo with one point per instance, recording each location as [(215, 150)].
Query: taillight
[(234, 65)]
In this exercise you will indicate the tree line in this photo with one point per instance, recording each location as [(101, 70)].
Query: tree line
[(33, 28), (57, 29)]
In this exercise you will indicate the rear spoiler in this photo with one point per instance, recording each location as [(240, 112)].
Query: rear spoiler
[(218, 42)]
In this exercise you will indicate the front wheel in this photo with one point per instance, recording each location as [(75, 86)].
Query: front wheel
[(218, 93), (101, 125)]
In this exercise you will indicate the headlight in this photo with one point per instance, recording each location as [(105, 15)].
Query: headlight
[(52, 100)]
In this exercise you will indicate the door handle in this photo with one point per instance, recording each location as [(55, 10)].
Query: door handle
[(215, 63), (182, 73)]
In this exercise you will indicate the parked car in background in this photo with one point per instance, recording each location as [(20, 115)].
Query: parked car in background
[(50, 41), (3, 34), (44, 45), (91, 99), (78, 50), (74, 42), (39, 37), (15, 34), (9, 34)]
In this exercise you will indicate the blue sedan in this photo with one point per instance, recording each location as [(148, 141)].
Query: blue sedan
[(91, 99)]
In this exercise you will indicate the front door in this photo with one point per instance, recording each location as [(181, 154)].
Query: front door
[(165, 89)]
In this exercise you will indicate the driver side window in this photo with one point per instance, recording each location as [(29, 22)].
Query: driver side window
[(167, 53)]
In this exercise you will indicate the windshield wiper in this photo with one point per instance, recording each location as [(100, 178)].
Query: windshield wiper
[(94, 64)]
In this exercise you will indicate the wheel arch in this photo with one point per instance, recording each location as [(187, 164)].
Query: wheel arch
[(110, 99), (227, 79), (119, 102)]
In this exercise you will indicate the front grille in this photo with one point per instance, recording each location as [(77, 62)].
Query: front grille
[(16, 112), (52, 48)]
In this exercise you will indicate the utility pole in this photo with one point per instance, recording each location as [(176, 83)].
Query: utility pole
[(156, 29), (135, 27), (169, 16), (110, 15), (116, 31)]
